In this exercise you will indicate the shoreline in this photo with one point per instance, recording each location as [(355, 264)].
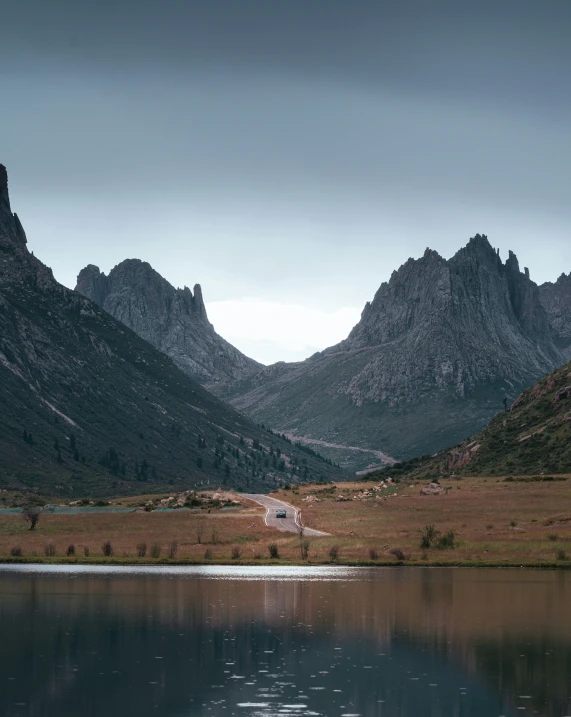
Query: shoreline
[(166, 562)]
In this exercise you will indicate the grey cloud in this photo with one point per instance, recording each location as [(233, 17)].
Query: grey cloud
[(286, 148)]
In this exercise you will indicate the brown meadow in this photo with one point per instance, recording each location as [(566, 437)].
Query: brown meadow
[(494, 522)]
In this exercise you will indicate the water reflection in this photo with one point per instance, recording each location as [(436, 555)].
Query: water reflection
[(225, 641)]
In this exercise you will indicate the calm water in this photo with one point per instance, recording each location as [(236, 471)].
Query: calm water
[(278, 641)]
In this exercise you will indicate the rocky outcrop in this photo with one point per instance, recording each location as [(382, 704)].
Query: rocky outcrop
[(429, 363), (433, 489), (89, 407), (556, 300), (173, 320)]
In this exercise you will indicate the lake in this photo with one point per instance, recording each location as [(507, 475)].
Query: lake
[(262, 641)]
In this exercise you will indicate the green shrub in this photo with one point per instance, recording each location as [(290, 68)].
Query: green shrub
[(107, 549), (446, 541), (236, 552), (428, 536), (49, 550), (274, 551), (552, 536), (16, 551), (156, 550), (334, 553)]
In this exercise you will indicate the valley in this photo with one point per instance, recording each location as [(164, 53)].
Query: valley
[(435, 353), (89, 407)]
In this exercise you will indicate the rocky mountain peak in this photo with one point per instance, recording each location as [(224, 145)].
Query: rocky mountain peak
[(132, 276), (430, 290), (92, 282), (4, 183), (434, 354), (173, 320), (512, 262), (17, 264), (429, 254), (482, 243), (11, 229), (477, 254), (199, 306)]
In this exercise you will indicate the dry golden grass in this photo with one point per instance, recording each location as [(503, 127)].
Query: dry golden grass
[(494, 522), (480, 512), (220, 531)]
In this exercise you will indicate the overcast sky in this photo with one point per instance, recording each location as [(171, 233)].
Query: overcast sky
[(287, 155)]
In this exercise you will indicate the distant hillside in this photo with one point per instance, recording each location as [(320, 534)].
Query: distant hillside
[(429, 363), (532, 438), (88, 407), (173, 320)]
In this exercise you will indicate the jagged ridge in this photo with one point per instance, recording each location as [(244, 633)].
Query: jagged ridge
[(173, 320), (429, 362)]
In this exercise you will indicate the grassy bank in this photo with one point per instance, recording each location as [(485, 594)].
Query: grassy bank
[(165, 562), (493, 523)]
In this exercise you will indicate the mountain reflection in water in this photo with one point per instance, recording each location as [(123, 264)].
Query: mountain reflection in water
[(264, 641)]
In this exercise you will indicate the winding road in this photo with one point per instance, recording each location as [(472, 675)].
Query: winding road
[(290, 524)]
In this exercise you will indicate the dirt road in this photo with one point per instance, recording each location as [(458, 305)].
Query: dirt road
[(289, 524)]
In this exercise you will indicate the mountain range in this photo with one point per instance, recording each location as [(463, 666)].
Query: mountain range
[(435, 353), (89, 407)]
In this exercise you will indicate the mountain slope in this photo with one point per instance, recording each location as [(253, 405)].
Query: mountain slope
[(173, 320), (429, 363), (556, 299), (87, 406), (532, 438)]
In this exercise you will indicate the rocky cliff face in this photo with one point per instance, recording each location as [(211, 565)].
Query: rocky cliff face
[(556, 299), (429, 363), (173, 320), (458, 324), (88, 407)]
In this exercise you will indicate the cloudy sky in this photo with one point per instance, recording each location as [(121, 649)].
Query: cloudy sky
[(288, 155)]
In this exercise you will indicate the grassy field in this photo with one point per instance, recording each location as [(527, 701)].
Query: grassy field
[(493, 522)]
